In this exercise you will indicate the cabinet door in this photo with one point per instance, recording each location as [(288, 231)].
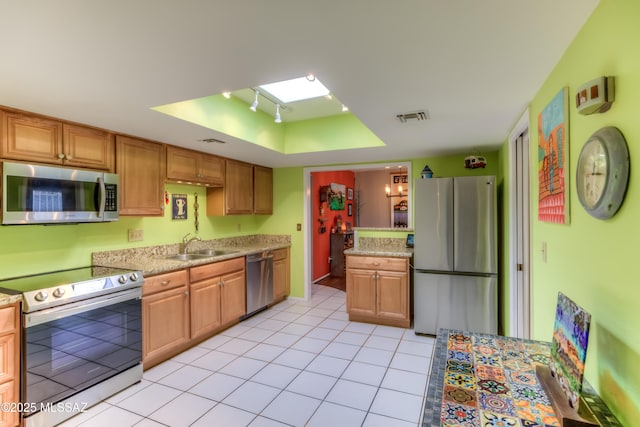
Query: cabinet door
[(233, 296), (361, 292), (211, 169), (165, 324), (31, 138), (393, 295), (238, 188), (182, 165), (263, 190), (8, 367), (281, 274), (205, 307), (8, 395), (88, 148), (141, 166)]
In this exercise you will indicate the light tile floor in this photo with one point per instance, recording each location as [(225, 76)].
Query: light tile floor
[(300, 363)]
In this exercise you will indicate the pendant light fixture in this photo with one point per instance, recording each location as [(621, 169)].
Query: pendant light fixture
[(278, 118), (254, 106)]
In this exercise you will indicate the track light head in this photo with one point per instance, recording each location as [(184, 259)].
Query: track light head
[(254, 106), (278, 118)]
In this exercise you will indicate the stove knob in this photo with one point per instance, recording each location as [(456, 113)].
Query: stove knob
[(122, 280), (41, 296), (134, 276), (58, 292)]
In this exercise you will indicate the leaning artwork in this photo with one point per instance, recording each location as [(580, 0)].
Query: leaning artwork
[(569, 347)]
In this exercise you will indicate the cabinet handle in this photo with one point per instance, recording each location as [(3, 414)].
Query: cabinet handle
[(165, 282), (375, 264), (221, 282), (61, 156), (186, 293), (68, 156)]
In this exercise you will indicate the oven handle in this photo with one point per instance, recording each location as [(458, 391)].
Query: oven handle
[(55, 313)]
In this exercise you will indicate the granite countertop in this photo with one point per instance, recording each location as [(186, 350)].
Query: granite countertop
[(380, 246), (152, 260), (6, 299)]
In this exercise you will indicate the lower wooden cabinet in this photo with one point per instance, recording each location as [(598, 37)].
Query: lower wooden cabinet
[(9, 362), (281, 274), (181, 308), (165, 317), (378, 290)]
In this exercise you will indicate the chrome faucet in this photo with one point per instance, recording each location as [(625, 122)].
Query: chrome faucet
[(186, 242)]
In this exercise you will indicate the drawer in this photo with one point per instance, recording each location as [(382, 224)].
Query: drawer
[(214, 269), (377, 263), (279, 254), (8, 319), (162, 282)]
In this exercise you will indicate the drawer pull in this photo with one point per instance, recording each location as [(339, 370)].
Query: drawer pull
[(375, 264), (165, 282)]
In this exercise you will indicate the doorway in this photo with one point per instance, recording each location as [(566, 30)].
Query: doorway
[(519, 213)]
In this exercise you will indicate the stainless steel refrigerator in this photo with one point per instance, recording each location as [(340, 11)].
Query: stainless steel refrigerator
[(455, 255)]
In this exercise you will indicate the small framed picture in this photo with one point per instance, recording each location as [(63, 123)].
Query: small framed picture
[(179, 206), (350, 209), (349, 193)]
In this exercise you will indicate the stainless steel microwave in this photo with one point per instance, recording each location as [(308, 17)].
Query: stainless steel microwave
[(36, 194)]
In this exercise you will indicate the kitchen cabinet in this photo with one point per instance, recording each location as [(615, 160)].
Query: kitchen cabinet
[(281, 274), (42, 140), (9, 362), (165, 316), (194, 167), (240, 194), (217, 296), (141, 166), (262, 190), (378, 290)]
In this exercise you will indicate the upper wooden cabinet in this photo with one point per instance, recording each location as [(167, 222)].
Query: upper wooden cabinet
[(262, 190), (141, 166), (194, 167), (242, 194), (43, 140)]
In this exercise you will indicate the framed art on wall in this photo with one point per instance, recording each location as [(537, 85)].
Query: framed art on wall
[(553, 160)]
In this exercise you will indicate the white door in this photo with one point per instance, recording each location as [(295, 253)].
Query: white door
[(519, 268)]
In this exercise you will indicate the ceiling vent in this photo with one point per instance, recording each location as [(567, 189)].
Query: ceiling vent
[(212, 140), (417, 116)]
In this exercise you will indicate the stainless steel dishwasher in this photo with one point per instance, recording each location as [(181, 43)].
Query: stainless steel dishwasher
[(259, 281)]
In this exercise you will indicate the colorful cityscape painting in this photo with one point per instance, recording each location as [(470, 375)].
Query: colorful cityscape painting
[(553, 156), (569, 347)]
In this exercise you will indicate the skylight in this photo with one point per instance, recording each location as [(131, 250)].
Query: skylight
[(296, 89)]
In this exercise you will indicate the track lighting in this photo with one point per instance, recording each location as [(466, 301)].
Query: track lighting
[(278, 118), (254, 106)]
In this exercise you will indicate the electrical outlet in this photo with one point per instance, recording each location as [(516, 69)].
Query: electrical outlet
[(299, 227), (239, 227), (136, 235), (544, 252)]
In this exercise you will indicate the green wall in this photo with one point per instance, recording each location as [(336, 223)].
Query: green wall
[(594, 262)]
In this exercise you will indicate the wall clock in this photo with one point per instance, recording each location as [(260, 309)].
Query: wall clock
[(603, 173)]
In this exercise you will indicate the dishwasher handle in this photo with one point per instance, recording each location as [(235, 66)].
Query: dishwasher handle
[(260, 257)]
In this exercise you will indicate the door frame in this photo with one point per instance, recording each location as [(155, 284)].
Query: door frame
[(308, 236), (520, 300)]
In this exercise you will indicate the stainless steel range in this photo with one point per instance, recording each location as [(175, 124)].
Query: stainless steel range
[(82, 339)]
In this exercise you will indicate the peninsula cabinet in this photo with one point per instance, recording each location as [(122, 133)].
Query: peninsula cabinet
[(378, 290), (217, 296), (165, 316), (194, 167), (281, 274), (42, 140), (141, 166), (9, 362), (248, 189)]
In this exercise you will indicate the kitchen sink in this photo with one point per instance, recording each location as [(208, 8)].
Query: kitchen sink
[(201, 254), (213, 252), (187, 257)]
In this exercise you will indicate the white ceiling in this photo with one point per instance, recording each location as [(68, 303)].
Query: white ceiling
[(474, 65)]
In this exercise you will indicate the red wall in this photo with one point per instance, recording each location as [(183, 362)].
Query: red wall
[(322, 241)]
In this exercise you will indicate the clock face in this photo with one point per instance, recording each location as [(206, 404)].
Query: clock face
[(603, 173), (594, 172)]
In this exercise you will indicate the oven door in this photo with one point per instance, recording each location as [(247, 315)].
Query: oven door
[(70, 348)]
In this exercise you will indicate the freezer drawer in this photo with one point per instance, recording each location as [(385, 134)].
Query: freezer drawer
[(469, 303)]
